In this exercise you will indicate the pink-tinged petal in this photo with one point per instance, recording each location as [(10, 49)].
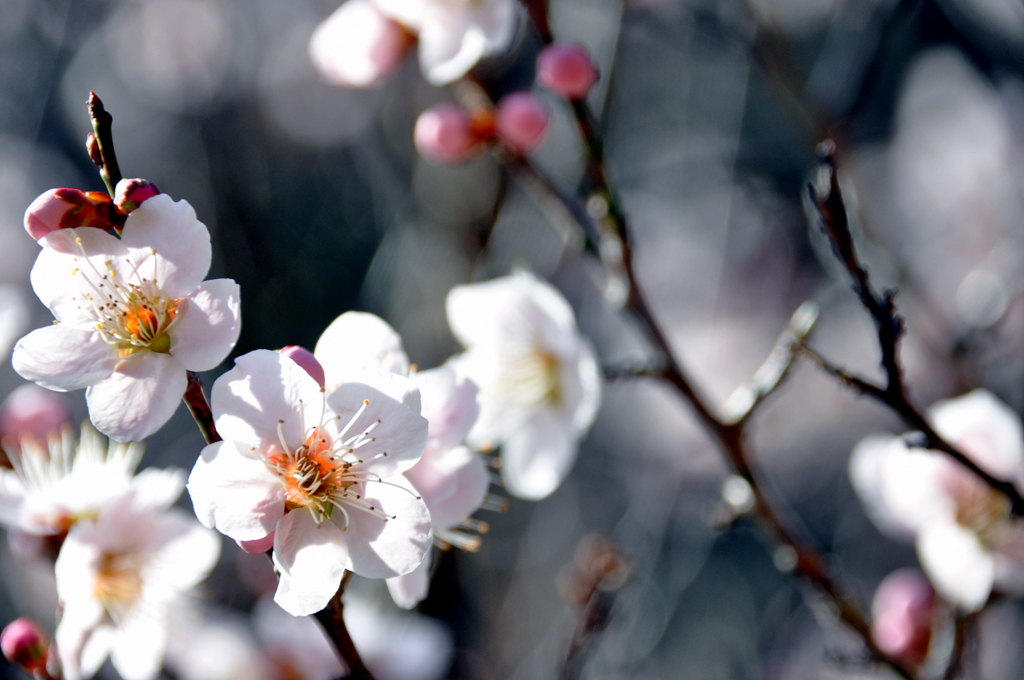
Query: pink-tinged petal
[(305, 359), (209, 321), (382, 549), (408, 590), (959, 567), (138, 647), (357, 342), (187, 553), (68, 269), (31, 411), (61, 358), (257, 546), (449, 403), (168, 244), (399, 431), (138, 398), (358, 46), (537, 457), (311, 558), (453, 484), (235, 493), (986, 429), (262, 389)]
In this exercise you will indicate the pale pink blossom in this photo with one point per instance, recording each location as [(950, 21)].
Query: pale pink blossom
[(360, 45), (539, 380), (133, 314), (903, 613), (67, 208), (119, 576), (323, 473), (967, 541), (31, 411)]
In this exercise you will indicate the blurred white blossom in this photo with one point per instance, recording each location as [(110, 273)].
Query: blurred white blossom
[(323, 474), (967, 541), (133, 314), (539, 380), (119, 576)]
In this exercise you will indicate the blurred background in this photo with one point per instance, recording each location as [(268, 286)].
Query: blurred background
[(318, 203)]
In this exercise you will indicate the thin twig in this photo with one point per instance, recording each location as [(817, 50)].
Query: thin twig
[(333, 622), (730, 435), (827, 198), (199, 407), (103, 155)]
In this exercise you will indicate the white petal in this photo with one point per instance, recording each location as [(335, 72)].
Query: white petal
[(453, 484), (64, 278), (538, 456), (262, 389), (449, 403), (382, 549), (357, 45), (398, 428), (83, 644), (12, 497), (187, 553), (234, 493), (959, 567), (311, 559), (138, 647), (207, 329), (168, 244), (410, 589), (138, 398), (455, 36), (580, 387), (412, 13), (866, 470), (986, 429), (154, 489), (62, 359), (357, 342), (97, 648)]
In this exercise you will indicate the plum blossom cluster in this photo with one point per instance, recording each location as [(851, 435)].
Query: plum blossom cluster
[(968, 542), (124, 556)]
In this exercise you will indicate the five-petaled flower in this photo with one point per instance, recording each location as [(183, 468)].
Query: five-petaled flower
[(364, 40), (119, 576), (323, 473), (132, 315), (967, 541), (539, 380)]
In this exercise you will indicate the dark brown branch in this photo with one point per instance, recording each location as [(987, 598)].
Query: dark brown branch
[(827, 198), (102, 152), (197, 404), (333, 623)]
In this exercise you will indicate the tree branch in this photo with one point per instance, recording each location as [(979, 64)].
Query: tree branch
[(101, 143)]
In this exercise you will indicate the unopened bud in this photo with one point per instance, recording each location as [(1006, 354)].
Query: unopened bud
[(522, 122), (903, 610), (24, 644), (66, 209), (259, 545), (306, 361), (444, 134), (92, 146), (130, 193), (566, 69), (31, 411)]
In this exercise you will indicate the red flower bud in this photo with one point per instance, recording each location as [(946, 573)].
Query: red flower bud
[(24, 644), (445, 135), (307, 362), (66, 209), (130, 193), (522, 122), (566, 69)]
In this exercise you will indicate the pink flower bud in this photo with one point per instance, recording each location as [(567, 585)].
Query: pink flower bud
[(522, 122), (305, 359), (903, 609), (259, 545), (445, 134), (66, 209), (357, 45), (31, 411), (24, 644), (566, 69), (130, 193)]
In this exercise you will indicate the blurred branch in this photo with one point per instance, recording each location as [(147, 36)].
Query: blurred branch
[(101, 143), (827, 198), (955, 667), (333, 622), (199, 407)]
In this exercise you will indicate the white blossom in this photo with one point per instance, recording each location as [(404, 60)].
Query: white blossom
[(967, 540), (539, 379), (132, 315), (324, 474), (362, 41), (53, 486), (119, 576)]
